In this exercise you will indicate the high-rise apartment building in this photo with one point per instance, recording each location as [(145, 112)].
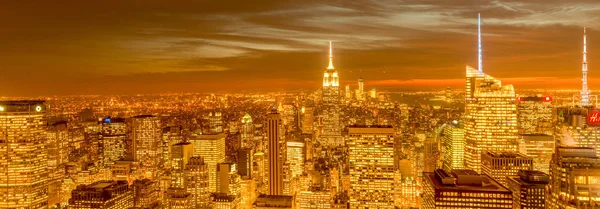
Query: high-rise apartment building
[(463, 189), (490, 117), (275, 152), (535, 115), (528, 189), (196, 183), (371, 157), (24, 161), (102, 194), (331, 133), (146, 134), (499, 165), (453, 147), (212, 148), (574, 179)]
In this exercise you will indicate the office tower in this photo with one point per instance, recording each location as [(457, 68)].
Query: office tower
[(145, 194), (196, 182), (275, 152), (212, 148), (227, 179), (528, 189), (371, 157), (348, 93), (331, 133), (122, 170), (454, 147), (582, 135), (146, 134), (180, 155), (539, 147), (585, 93), (215, 121), (499, 165), (463, 189), (112, 141), (535, 115), (170, 135), (247, 133), (224, 201), (360, 94), (448, 94), (308, 118), (431, 154), (247, 193), (407, 188), (314, 198), (273, 202), (245, 163), (373, 94), (295, 157), (574, 175), (102, 194), (58, 142), (178, 198), (24, 162)]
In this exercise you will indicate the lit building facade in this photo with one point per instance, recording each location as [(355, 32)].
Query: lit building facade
[(499, 165), (535, 115), (463, 189), (295, 157), (180, 155), (540, 147), (102, 194), (315, 198), (224, 201), (146, 194), (212, 148), (574, 179), (146, 135), (177, 198), (308, 119), (371, 157), (360, 92), (196, 182), (528, 189), (275, 152), (247, 132), (490, 117), (24, 162), (112, 142), (215, 121), (331, 132), (453, 147), (170, 135), (274, 202), (245, 162)]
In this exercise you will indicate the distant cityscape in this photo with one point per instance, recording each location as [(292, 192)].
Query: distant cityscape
[(344, 145)]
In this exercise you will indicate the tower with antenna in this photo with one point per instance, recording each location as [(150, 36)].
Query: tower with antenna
[(331, 131), (479, 57), (585, 92)]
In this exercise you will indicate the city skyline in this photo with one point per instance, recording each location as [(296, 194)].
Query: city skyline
[(129, 48)]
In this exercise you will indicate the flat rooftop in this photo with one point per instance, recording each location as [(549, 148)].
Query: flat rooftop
[(487, 183)]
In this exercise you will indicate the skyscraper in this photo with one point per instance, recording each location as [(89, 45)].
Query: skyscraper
[(112, 141), (331, 134), (371, 157), (196, 182), (295, 157), (453, 147), (499, 165), (247, 133), (360, 94), (212, 148), (102, 194), (585, 93), (275, 152), (146, 135), (180, 156), (245, 162), (535, 115), (145, 194), (528, 189), (24, 162)]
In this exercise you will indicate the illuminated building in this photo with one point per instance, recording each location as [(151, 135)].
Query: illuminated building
[(170, 135), (308, 118), (574, 179), (463, 189), (112, 141), (431, 154), (453, 147), (212, 148), (224, 201), (58, 142), (247, 193), (539, 147), (295, 157), (348, 93), (275, 152), (196, 182), (247, 133), (528, 189), (228, 181), (102, 194), (24, 162), (122, 170), (180, 155), (448, 94), (360, 94), (490, 114), (407, 189), (245, 162), (146, 135), (499, 165), (215, 121), (273, 202), (535, 115), (585, 93), (145, 194), (373, 94), (178, 198), (315, 198), (583, 135), (371, 157), (331, 133)]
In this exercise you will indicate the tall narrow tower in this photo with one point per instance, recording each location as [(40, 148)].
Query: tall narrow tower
[(331, 133), (585, 93), (479, 43)]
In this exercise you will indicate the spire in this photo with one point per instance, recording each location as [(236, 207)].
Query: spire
[(585, 93), (479, 42), (330, 57)]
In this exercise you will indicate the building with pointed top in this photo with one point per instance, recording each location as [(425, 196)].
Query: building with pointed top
[(585, 92), (331, 133)]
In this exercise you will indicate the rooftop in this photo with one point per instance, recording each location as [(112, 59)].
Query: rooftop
[(505, 154), (464, 181)]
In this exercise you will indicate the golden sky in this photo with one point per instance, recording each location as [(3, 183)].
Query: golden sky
[(123, 47)]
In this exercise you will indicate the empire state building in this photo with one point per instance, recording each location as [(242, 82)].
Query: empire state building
[(331, 133)]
